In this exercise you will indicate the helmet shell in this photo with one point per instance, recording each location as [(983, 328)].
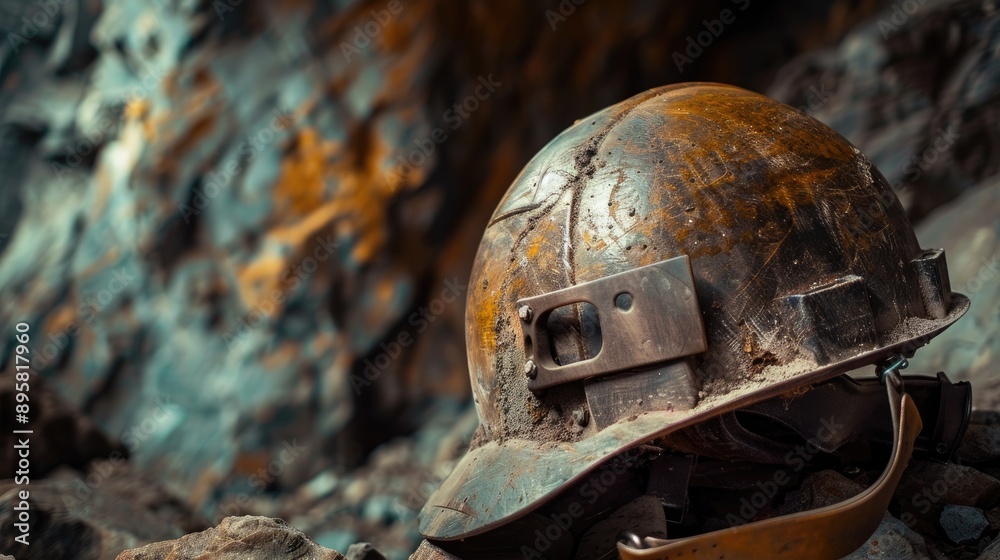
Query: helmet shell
[(804, 265)]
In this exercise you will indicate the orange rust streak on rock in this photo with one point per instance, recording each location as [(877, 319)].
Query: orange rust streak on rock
[(201, 129), (205, 484), (100, 265), (305, 207), (61, 319), (136, 108), (259, 279), (247, 463), (285, 354), (302, 174)]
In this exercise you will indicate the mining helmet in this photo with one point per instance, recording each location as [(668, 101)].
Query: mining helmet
[(688, 252)]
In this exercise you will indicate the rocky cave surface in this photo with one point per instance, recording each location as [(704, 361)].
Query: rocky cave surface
[(217, 216)]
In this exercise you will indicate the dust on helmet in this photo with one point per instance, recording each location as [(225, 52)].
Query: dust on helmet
[(693, 250)]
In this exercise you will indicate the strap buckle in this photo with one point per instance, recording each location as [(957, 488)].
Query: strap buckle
[(632, 540), (890, 369)]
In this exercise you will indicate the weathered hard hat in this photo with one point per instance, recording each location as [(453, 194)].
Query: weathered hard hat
[(693, 250)]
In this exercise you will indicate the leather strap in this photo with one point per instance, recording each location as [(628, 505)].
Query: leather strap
[(830, 532)]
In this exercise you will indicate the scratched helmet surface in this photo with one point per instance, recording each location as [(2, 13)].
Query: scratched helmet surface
[(692, 250)]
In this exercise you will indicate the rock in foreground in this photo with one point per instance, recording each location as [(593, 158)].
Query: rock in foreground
[(238, 538)]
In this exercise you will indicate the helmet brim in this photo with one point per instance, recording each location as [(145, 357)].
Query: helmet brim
[(498, 482)]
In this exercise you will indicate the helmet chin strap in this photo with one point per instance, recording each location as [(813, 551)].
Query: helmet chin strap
[(830, 532)]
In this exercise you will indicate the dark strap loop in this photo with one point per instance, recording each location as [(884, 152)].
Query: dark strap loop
[(825, 533), (844, 410), (831, 414)]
